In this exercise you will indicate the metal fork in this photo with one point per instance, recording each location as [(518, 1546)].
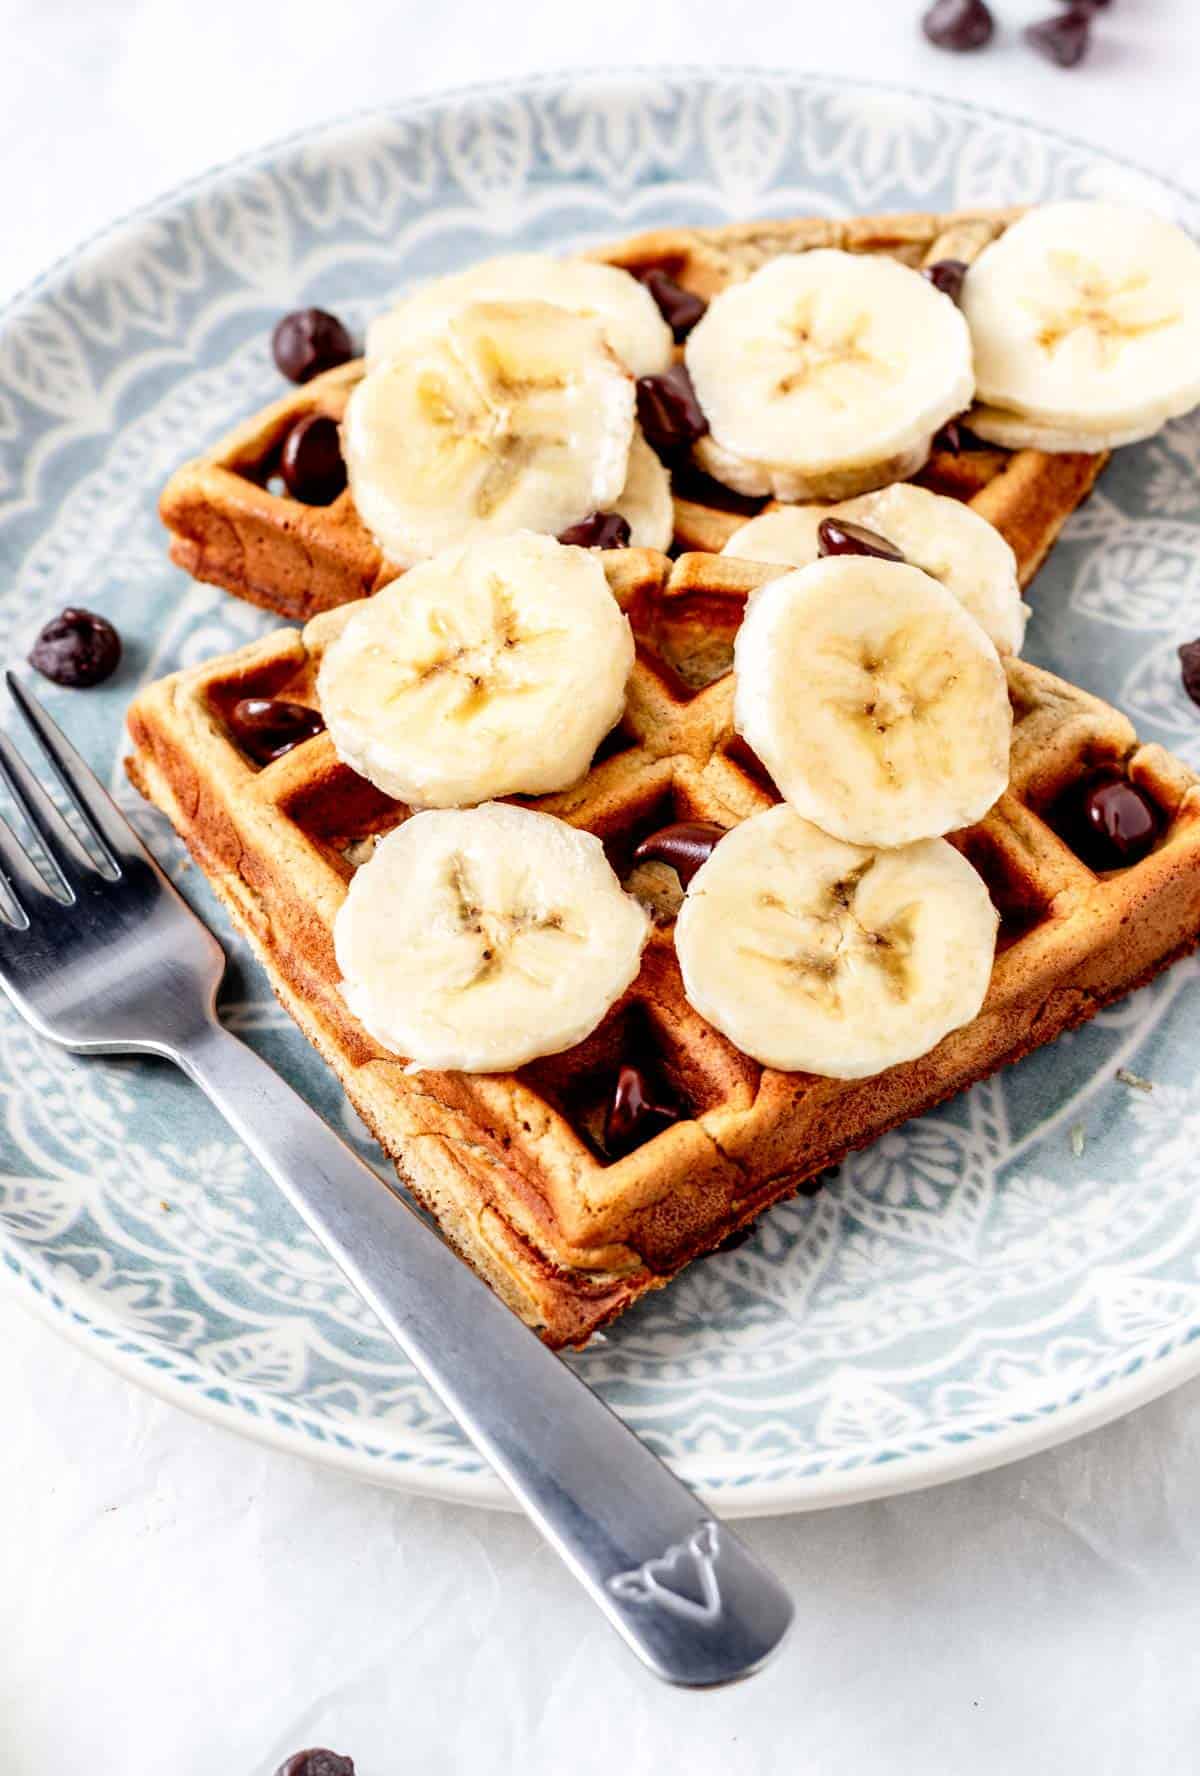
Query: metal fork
[(109, 959)]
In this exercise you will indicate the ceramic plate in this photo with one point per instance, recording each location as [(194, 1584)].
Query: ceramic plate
[(971, 1288)]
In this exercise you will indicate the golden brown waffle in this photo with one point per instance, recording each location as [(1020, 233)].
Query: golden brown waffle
[(513, 1166), (230, 525)]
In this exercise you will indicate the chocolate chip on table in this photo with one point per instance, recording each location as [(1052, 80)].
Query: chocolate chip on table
[(958, 24), (1109, 821), (684, 845), (634, 1114), (1063, 40), (600, 530), (947, 275), (311, 461), (838, 536), (316, 1762), (77, 648), (679, 308), (1189, 660), (668, 411), (267, 727), (308, 341)]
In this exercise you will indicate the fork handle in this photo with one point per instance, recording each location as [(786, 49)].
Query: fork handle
[(685, 1593)]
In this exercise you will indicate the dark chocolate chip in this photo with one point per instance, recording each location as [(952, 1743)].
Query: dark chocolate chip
[(950, 438), (602, 530), (838, 536), (1108, 820), (668, 411), (958, 24), (267, 727), (679, 308), (316, 1762), (635, 1115), (685, 845), (77, 648), (1189, 658), (308, 341), (947, 275), (1063, 40), (311, 461)]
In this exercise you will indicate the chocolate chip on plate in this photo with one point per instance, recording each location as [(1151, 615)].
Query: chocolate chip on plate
[(838, 536), (679, 308), (668, 412), (1063, 40), (1189, 660), (958, 24), (600, 530), (947, 275), (311, 461), (684, 845), (308, 341), (267, 727), (316, 1762), (634, 1114), (1109, 821), (77, 648)]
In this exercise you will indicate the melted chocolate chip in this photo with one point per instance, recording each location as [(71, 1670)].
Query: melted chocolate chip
[(308, 341), (685, 845), (958, 24), (1063, 40), (838, 536), (77, 648), (316, 1762), (1108, 820), (950, 438), (311, 461), (602, 530), (635, 1115), (1189, 659), (679, 308), (947, 275), (668, 411), (266, 727)]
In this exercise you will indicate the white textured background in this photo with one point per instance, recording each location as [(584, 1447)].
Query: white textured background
[(175, 1602)]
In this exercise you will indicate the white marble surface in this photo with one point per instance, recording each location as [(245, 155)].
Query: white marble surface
[(177, 1602)]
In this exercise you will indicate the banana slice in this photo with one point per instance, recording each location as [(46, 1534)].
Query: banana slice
[(826, 374), (645, 500), (481, 938), (943, 537), (517, 416), (1085, 320), (878, 705), (494, 669), (624, 308), (819, 957)]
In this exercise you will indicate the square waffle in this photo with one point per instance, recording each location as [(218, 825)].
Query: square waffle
[(513, 1166), (230, 524)]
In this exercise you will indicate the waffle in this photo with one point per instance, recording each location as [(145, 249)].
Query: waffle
[(230, 524), (513, 1166)]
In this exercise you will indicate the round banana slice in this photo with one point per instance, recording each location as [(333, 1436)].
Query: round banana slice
[(815, 956), (645, 501), (825, 374), (878, 705), (516, 416), (494, 669), (943, 537), (626, 311), (481, 938), (1085, 319), (1017, 431)]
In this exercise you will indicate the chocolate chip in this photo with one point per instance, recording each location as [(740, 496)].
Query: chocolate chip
[(685, 845), (1189, 657), (308, 341), (1063, 40), (267, 727), (635, 1115), (668, 411), (958, 24), (1108, 820), (316, 1762), (77, 648), (679, 308), (602, 530), (739, 1237), (950, 438), (947, 275), (838, 536), (311, 461)]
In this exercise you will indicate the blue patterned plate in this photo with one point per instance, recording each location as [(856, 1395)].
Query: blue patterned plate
[(973, 1287)]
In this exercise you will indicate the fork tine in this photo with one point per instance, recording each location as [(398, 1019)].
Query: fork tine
[(20, 876), (67, 857), (111, 831)]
